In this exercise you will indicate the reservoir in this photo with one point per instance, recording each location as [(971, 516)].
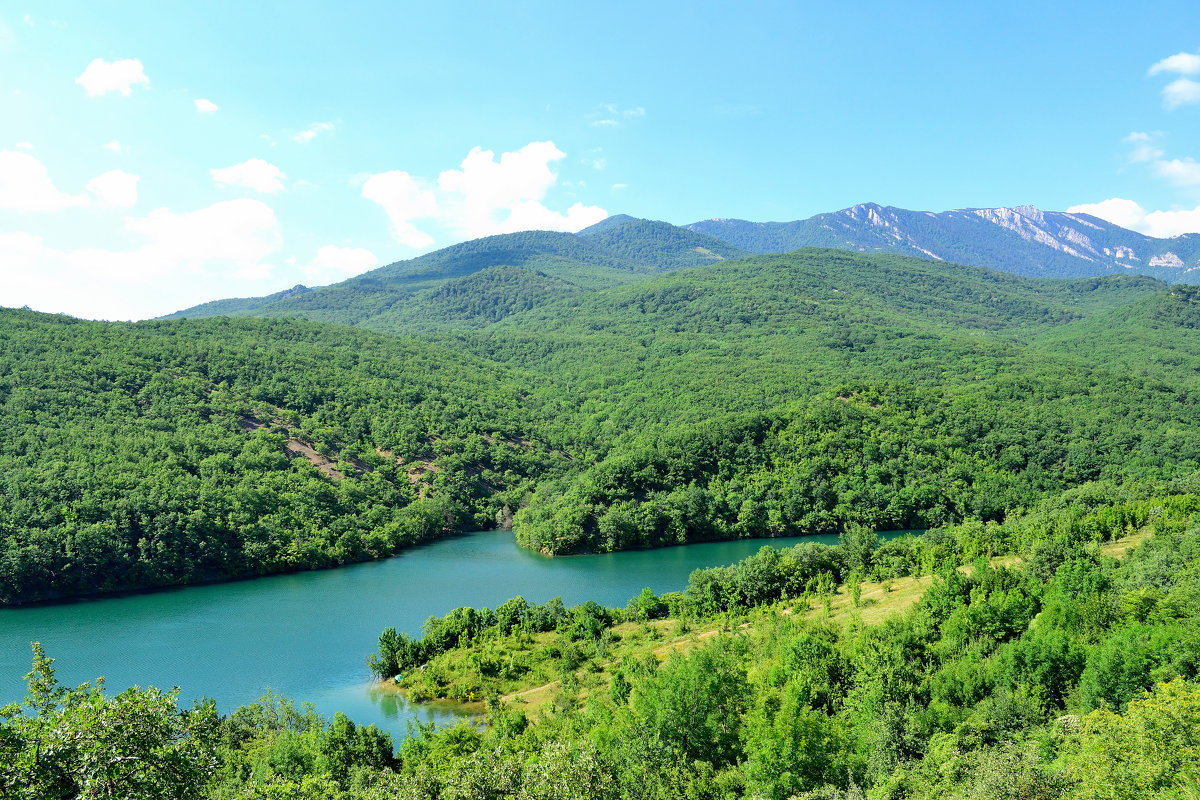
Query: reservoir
[(307, 635)]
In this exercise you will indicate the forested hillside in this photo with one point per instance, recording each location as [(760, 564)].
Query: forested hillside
[(767, 396), (1052, 657), (172, 452), (1026, 241), (405, 297)]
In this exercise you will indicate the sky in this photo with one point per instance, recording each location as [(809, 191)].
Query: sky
[(158, 155)]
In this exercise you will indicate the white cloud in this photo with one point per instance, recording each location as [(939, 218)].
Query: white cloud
[(115, 188), (178, 259), (25, 145), (261, 176), (113, 146), (403, 199), (28, 20), (483, 197), (310, 133), (101, 77), (505, 196), (1181, 63), (611, 115), (205, 106), (1128, 214), (1183, 172), (486, 187), (240, 233), (25, 185), (1145, 147), (617, 187), (338, 263), (1116, 210), (1180, 92)]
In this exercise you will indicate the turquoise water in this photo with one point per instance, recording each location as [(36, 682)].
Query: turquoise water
[(307, 635)]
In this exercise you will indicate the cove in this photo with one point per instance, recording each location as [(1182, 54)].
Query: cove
[(307, 635)]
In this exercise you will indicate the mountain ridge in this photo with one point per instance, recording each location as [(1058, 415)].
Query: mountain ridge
[(1023, 240), (621, 249)]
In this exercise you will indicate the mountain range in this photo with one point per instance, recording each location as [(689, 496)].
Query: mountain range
[(1022, 240), (476, 283)]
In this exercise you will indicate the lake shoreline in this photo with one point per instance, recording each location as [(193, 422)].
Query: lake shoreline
[(60, 599), (307, 635)]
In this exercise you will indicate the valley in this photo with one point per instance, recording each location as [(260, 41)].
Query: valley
[(646, 406)]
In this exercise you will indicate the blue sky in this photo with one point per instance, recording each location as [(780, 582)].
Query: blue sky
[(157, 155)]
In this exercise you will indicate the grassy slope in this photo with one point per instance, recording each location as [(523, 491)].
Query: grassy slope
[(540, 682)]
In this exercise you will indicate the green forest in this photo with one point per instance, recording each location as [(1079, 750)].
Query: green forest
[(165, 453), (1037, 640), (767, 396), (1054, 655)]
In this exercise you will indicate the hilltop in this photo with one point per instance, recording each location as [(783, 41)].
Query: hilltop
[(473, 284)]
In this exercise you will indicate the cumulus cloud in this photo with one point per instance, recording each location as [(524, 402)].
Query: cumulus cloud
[(1180, 92), (114, 188), (237, 233), (261, 176), (25, 145), (308, 134), (485, 188), (1116, 210), (1181, 63), (102, 77), (484, 196), (175, 261), (25, 185), (1183, 172), (404, 199), (1128, 214), (113, 146), (487, 196), (205, 106), (338, 263)]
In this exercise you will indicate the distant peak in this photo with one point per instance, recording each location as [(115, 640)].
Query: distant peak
[(871, 213), (606, 223), (1009, 216)]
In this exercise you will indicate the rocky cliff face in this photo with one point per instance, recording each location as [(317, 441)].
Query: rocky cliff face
[(1024, 240)]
